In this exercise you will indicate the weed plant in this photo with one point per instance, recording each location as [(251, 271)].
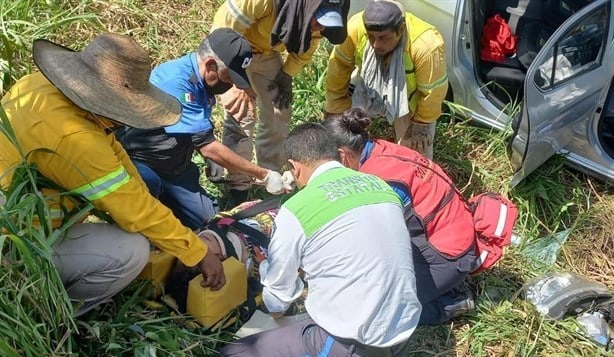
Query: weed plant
[(24, 20), (36, 315)]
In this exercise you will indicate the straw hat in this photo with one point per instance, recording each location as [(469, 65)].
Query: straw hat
[(110, 77)]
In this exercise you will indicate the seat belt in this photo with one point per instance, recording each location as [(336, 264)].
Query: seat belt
[(516, 13)]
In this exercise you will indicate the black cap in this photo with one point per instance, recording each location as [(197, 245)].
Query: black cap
[(236, 53), (382, 15)]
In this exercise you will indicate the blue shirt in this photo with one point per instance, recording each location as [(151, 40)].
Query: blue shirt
[(181, 79), (168, 151)]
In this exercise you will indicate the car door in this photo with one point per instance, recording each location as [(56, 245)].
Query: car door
[(563, 88)]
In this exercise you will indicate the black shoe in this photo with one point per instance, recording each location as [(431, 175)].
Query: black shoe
[(464, 301), (462, 307), (236, 197)]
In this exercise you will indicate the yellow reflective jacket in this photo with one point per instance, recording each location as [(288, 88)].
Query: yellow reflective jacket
[(255, 19), (81, 155), (424, 60)]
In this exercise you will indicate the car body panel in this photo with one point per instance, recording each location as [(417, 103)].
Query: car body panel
[(561, 120)]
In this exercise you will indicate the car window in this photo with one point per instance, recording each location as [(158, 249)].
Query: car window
[(579, 49)]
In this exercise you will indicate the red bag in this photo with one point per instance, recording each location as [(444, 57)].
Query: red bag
[(497, 40), (493, 217)]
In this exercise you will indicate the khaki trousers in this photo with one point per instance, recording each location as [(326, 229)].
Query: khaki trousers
[(273, 122), (97, 260)]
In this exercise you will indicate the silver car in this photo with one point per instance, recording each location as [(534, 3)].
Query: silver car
[(556, 91)]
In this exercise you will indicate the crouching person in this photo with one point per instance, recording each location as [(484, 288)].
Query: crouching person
[(360, 275), (441, 225), (63, 117)]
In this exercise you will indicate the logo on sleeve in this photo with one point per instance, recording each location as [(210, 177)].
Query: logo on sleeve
[(187, 98)]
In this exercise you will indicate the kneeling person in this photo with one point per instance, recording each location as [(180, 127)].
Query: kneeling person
[(362, 293)]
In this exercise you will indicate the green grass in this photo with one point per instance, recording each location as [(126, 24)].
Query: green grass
[(24, 20), (35, 314)]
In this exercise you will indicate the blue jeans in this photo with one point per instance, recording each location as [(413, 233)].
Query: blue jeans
[(182, 194)]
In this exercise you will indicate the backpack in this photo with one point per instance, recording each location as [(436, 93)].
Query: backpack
[(493, 218), (493, 215)]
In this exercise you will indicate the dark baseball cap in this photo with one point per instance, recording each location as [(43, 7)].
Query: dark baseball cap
[(329, 16), (382, 15), (236, 53), (332, 14)]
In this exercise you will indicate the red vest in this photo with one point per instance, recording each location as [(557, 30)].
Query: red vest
[(451, 229)]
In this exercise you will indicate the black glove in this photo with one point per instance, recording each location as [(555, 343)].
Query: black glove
[(283, 83)]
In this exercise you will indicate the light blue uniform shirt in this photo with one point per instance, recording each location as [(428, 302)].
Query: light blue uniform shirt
[(180, 78)]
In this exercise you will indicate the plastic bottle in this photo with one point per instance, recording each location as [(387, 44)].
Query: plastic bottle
[(207, 306)]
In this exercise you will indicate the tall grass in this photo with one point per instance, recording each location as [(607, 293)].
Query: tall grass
[(24, 20), (36, 313), (551, 199)]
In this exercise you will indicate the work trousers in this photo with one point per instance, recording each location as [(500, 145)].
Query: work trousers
[(436, 278), (97, 260), (306, 338), (273, 122)]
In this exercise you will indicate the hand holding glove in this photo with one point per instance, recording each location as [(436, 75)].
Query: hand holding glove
[(283, 83), (419, 136), (214, 171)]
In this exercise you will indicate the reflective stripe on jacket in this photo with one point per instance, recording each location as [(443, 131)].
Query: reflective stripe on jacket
[(255, 19), (79, 153), (425, 67)]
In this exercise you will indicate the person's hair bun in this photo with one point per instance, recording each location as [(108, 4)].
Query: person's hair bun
[(356, 120)]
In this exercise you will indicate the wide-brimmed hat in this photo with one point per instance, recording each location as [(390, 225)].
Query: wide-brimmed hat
[(110, 78)]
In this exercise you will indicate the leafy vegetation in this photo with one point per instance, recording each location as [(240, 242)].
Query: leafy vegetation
[(36, 315)]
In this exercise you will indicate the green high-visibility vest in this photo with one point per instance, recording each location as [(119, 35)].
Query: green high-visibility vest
[(334, 193)]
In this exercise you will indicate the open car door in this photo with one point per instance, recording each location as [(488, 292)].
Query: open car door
[(563, 87)]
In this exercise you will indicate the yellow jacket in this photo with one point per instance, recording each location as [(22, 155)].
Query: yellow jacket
[(427, 53), (87, 160), (254, 19)]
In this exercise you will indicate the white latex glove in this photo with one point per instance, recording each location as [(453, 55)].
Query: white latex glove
[(215, 172), (288, 179), (274, 183)]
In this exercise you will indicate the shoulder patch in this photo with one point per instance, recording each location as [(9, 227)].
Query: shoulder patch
[(187, 98)]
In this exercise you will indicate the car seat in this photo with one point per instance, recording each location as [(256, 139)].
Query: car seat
[(533, 22), (533, 33)]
